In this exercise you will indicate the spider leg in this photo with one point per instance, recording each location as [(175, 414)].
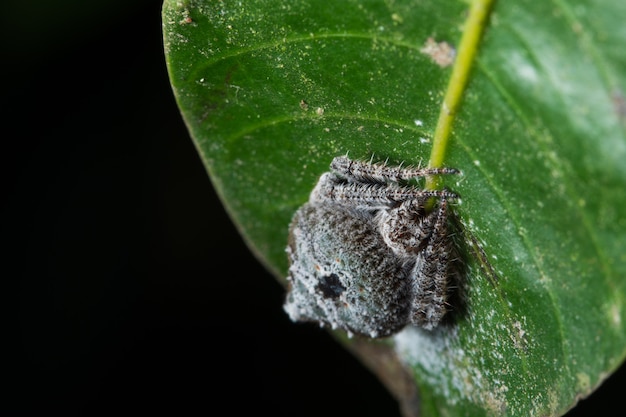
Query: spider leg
[(431, 273), (359, 171), (370, 196)]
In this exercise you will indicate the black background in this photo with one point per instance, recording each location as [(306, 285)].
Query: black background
[(135, 292)]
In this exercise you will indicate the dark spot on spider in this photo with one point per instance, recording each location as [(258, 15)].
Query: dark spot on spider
[(330, 286)]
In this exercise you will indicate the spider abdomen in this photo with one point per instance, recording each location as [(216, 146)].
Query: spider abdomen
[(333, 247)]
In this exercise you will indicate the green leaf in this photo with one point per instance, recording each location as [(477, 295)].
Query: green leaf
[(272, 91)]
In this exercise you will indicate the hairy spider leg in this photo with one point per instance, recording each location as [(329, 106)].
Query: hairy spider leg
[(359, 171), (431, 273), (371, 196)]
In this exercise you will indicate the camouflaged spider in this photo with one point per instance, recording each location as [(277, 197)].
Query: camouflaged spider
[(366, 255)]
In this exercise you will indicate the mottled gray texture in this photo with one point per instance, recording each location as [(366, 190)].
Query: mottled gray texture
[(364, 253)]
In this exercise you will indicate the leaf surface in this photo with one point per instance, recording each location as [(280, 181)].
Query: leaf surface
[(272, 91)]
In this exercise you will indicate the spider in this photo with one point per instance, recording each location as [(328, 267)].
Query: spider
[(365, 253)]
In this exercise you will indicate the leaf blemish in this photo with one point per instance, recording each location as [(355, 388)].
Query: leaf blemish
[(616, 316), (441, 53), (619, 104), (186, 18)]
